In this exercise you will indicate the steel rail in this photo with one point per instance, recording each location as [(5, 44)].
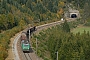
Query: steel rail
[(27, 56)]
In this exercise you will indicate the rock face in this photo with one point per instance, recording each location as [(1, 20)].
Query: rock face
[(72, 13)]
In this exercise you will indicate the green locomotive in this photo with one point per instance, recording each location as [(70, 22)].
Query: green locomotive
[(25, 46)]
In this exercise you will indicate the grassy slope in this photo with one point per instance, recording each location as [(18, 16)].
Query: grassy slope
[(81, 29)]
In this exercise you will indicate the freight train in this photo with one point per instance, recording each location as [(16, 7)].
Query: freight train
[(32, 29), (25, 45), (23, 36)]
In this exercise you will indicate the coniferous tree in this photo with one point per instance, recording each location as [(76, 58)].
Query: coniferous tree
[(66, 27)]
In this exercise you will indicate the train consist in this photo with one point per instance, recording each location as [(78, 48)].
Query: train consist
[(25, 44), (32, 29), (23, 36)]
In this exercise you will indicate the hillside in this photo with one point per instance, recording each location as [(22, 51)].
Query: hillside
[(68, 45), (14, 11), (15, 15)]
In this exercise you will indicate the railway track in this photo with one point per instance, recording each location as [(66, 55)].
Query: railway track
[(27, 56), (32, 56)]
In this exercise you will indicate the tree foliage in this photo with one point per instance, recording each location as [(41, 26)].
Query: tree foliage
[(18, 13), (69, 46), (42, 10), (66, 27)]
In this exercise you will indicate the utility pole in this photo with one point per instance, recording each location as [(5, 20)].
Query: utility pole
[(29, 34), (57, 55)]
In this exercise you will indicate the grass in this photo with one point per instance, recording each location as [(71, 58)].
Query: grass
[(81, 29)]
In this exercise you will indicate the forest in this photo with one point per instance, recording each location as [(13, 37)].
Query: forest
[(13, 11), (15, 15), (69, 46)]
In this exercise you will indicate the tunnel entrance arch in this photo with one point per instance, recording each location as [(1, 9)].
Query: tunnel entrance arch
[(74, 14)]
